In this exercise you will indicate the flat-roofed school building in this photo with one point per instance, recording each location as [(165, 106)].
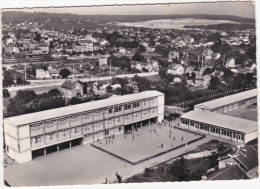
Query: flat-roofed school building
[(229, 103), (220, 125), (27, 136)]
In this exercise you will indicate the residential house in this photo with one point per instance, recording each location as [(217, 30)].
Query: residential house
[(48, 74), (71, 88), (230, 63), (251, 66), (175, 69), (174, 55), (216, 56), (202, 81)]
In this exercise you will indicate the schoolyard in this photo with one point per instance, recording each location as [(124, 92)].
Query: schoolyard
[(146, 143), (88, 165)]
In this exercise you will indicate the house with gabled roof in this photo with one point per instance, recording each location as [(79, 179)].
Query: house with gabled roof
[(71, 88)]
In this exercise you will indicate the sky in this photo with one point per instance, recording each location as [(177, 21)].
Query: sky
[(243, 9)]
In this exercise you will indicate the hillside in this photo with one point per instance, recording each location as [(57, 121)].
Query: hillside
[(16, 17)]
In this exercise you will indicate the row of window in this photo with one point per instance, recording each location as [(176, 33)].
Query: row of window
[(213, 129), (62, 121)]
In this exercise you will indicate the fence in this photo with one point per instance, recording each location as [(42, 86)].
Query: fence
[(17, 85)]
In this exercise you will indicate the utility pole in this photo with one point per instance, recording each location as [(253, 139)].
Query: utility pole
[(110, 68), (25, 78), (73, 71), (224, 60)]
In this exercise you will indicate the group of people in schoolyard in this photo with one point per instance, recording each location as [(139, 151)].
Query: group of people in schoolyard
[(153, 130)]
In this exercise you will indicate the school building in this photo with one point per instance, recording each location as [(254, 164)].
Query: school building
[(31, 135), (229, 103), (220, 125), (209, 118)]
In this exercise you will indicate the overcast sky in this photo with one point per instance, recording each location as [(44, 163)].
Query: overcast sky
[(243, 9)]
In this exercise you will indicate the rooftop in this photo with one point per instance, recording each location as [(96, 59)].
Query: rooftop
[(221, 120), (73, 109), (230, 173), (228, 99), (249, 158)]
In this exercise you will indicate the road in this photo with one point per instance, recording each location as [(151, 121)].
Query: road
[(39, 84)]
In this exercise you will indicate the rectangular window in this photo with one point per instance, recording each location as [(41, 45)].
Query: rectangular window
[(127, 106), (110, 110), (136, 104)]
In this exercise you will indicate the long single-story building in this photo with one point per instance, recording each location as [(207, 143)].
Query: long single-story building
[(220, 125), (229, 103), (30, 135)]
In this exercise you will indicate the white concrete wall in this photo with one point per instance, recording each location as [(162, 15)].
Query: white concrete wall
[(24, 131), (11, 142), (160, 103), (251, 136), (23, 157), (10, 130), (25, 144)]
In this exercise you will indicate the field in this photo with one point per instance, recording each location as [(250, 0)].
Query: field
[(244, 113), (150, 141)]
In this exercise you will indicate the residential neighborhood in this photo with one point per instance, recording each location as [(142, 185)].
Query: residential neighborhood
[(137, 97)]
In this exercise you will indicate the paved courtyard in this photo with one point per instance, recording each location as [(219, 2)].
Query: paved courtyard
[(88, 165), (147, 142)]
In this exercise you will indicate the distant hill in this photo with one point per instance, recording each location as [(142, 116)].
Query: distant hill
[(16, 17)]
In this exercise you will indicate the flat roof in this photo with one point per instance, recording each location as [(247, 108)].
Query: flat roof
[(228, 99), (222, 120), (73, 109)]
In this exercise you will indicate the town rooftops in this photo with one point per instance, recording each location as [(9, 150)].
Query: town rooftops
[(228, 99), (74, 109), (222, 120)]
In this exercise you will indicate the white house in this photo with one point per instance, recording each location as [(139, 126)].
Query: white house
[(175, 69), (216, 56), (230, 63)]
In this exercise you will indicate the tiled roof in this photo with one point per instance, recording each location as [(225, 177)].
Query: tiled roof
[(68, 84), (248, 157), (230, 173)]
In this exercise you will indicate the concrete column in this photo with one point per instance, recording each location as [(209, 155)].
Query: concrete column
[(58, 148), (141, 124), (70, 144), (44, 151)]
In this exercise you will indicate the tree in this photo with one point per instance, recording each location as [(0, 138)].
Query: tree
[(37, 36), (109, 89), (25, 96), (64, 73), (6, 93), (54, 93), (138, 57), (141, 49)]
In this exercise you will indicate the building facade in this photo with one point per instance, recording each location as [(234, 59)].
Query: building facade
[(209, 118), (229, 103), (219, 125), (27, 136)]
